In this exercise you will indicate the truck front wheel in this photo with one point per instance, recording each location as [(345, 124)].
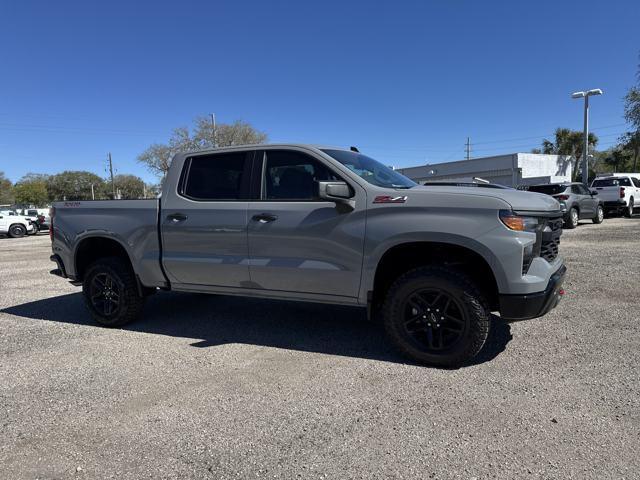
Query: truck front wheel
[(436, 316), (17, 230), (111, 293)]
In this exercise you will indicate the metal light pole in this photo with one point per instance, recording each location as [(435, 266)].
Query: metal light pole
[(585, 148), (213, 127)]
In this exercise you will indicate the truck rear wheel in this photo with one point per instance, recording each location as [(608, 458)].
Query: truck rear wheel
[(436, 316), (111, 292)]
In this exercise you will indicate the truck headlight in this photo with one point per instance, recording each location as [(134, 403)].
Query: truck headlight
[(519, 223)]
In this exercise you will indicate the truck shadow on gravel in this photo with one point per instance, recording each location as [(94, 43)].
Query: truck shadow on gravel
[(218, 320)]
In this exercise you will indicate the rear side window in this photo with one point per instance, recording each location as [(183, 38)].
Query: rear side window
[(548, 189), (291, 175), (635, 181), (612, 182), (215, 177)]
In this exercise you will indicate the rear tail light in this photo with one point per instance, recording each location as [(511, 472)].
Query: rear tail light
[(52, 212), (562, 197), (621, 192)]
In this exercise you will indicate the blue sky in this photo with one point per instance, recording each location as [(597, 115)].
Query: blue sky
[(406, 82)]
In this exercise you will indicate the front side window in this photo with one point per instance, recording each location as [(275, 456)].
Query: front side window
[(291, 175), (371, 170), (214, 177), (584, 190), (635, 181)]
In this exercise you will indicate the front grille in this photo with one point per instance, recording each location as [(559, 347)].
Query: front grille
[(550, 244)]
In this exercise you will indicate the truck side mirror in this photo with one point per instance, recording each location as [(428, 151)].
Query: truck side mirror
[(336, 191), (594, 192)]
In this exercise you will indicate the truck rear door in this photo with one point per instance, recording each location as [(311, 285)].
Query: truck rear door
[(204, 222)]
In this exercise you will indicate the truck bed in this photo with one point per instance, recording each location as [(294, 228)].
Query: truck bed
[(132, 223)]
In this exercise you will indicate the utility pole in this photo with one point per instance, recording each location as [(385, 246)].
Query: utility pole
[(113, 185), (468, 148), (213, 128), (93, 195)]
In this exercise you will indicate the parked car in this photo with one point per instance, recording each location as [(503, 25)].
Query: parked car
[(13, 225), (39, 215), (577, 202), (300, 222), (619, 192)]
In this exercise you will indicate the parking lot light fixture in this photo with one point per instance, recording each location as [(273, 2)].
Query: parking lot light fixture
[(585, 148)]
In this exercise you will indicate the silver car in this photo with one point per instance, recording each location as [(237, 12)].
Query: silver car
[(576, 201)]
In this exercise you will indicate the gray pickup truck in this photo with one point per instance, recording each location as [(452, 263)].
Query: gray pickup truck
[(301, 222)]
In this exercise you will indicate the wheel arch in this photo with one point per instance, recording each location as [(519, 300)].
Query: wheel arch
[(94, 247), (481, 266)]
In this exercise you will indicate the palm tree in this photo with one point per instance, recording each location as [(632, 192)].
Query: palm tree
[(569, 142)]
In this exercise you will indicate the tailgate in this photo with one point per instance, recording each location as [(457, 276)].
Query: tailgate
[(608, 194)]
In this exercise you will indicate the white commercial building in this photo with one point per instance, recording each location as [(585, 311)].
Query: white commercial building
[(511, 170)]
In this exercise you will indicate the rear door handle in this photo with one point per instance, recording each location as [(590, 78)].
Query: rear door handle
[(177, 217), (264, 218)]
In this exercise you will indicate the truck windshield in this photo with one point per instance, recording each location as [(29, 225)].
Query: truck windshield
[(371, 170), (548, 189)]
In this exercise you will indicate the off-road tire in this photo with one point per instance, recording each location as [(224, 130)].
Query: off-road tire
[(599, 215), (17, 230), (455, 284), (130, 302)]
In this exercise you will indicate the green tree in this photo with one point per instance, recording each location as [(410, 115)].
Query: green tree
[(569, 142), (6, 190), (617, 158), (631, 140), (129, 186), (75, 185), (632, 107), (32, 190), (630, 143), (157, 157)]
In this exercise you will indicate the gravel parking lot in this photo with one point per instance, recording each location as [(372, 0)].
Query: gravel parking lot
[(217, 387)]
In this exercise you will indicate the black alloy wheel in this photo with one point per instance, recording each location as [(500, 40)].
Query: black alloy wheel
[(105, 295), (434, 320), (436, 315), (111, 292)]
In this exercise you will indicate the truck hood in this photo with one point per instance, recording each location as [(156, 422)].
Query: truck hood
[(518, 199)]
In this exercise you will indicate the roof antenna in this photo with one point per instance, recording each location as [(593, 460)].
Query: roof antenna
[(354, 149)]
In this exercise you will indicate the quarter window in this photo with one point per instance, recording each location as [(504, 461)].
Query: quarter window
[(215, 177), (291, 175)]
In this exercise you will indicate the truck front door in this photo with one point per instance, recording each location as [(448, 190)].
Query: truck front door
[(204, 222), (298, 242)]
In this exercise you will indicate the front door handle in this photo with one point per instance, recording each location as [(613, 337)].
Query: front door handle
[(264, 217), (177, 217)]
